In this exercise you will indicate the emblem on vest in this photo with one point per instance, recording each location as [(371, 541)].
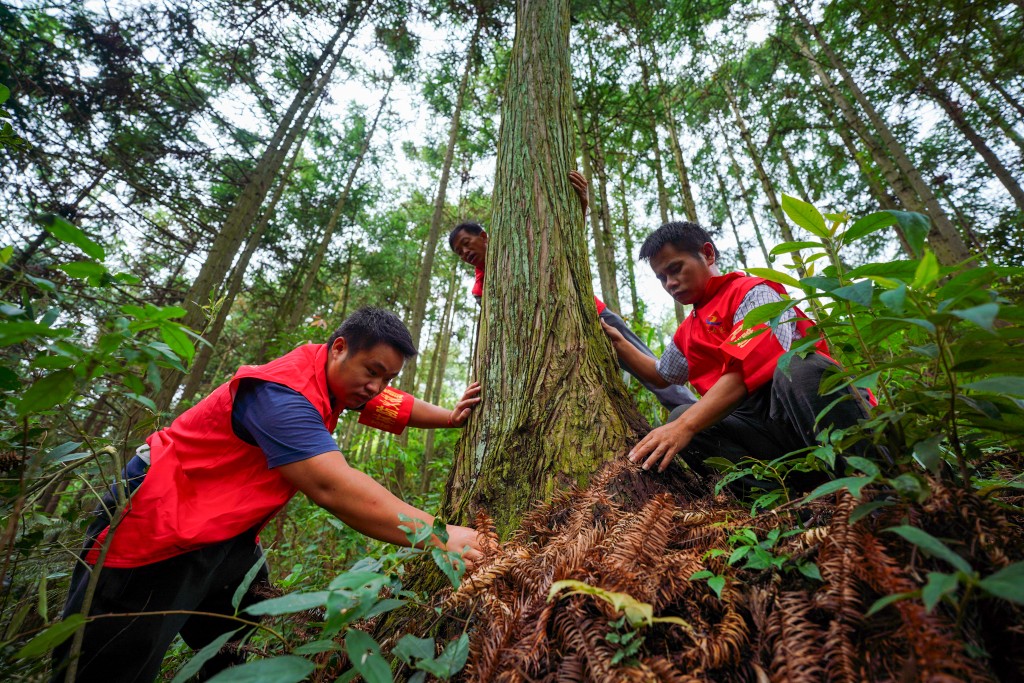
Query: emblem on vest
[(713, 322)]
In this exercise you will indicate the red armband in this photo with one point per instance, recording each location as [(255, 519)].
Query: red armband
[(756, 351), (388, 411)]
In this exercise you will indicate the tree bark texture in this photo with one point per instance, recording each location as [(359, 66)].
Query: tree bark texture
[(554, 406), (603, 269)]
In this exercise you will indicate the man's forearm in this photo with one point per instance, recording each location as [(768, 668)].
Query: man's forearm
[(720, 400), (428, 416), (642, 365)]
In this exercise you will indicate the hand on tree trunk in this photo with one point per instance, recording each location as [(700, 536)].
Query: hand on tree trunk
[(464, 407), (579, 185)]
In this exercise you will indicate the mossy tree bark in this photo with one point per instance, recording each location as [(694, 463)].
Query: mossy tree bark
[(554, 407)]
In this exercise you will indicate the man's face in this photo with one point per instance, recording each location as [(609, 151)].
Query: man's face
[(684, 275), (471, 248), (355, 378)]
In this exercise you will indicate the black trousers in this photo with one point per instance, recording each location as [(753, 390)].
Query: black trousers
[(131, 649), (775, 420)]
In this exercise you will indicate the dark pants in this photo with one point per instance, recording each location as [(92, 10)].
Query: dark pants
[(671, 396), (131, 649), (775, 420)]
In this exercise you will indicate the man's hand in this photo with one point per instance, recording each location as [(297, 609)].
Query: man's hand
[(661, 445), (465, 406), (463, 540), (579, 184), (613, 334)]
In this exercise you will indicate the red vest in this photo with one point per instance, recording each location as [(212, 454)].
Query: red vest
[(478, 290), (711, 343), (204, 484)]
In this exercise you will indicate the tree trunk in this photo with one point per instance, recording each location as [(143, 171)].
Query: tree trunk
[(627, 235), (600, 253), (689, 205), (728, 213), (204, 352), (435, 383), (554, 406), (945, 240), (419, 308), (299, 303), (994, 115), (746, 197), (793, 172)]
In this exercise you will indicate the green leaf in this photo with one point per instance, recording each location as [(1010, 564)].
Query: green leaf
[(858, 293), (915, 227), (358, 579), (246, 581), (805, 215), (927, 271), (193, 665), (895, 299), (288, 604), (854, 484), (636, 612), (5, 92), (789, 247), (867, 225), (57, 453), (450, 563), (882, 603), (928, 453), (825, 284), (939, 584), (51, 637), (178, 341), (865, 509), (17, 332), (899, 270), (9, 380), (83, 269), (984, 316), (316, 647), (775, 276), (717, 583), (1007, 583), (47, 392), (283, 669), (766, 312), (933, 546), (720, 464), (71, 234), (1003, 385), (364, 653), (810, 570), (703, 574), (863, 465), (454, 657), (410, 647)]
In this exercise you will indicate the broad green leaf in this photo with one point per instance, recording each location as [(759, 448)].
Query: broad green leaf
[(17, 332), (9, 380), (939, 584), (83, 269), (805, 215), (898, 270), (858, 293), (895, 299), (933, 546), (247, 580), (927, 270), (364, 653), (410, 647), (143, 400), (454, 656), (51, 637), (810, 570), (72, 234), (703, 574), (6, 253), (1005, 385), (5, 92), (178, 341), (450, 563), (882, 603), (61, 451), (825, 284), (1007, 583), (915, 227), (720, 464), (717, 583), (636, 612), (358, 579), (854, 484), (193, 665), (774, 276), (316, 647), (865, 509), (47, 392), (867, 225), (288, 604), (283, 669), (984, 316), (928, 453), (789, 247), (766, 312), (863, 465)]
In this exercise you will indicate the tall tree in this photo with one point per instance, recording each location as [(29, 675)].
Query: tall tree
[(554, 406)]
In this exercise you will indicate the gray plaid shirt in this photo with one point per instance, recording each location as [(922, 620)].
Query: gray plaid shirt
[(673, 366)]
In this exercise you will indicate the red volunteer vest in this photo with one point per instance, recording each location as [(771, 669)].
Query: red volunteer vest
[(478, 290), (711, 343), (205, 485)]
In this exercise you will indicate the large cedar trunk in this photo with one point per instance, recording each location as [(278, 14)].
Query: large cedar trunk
[(554, 407)]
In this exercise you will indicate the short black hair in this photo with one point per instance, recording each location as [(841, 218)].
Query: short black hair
[(683, 235), (370, 326), (471, 228)]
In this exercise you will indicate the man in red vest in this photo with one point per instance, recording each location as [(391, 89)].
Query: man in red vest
[(187, 536), (748, 408), (469, 242)]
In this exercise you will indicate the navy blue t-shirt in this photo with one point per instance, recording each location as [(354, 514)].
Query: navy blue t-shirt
[(281, 421)]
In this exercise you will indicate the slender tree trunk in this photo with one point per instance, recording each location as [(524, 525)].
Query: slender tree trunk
[(554, 406), (600, 253), (419, 308), (299, 303), (794, 173), (435, 383), (728, 213), (611, 297), (944, 238), (747, 200), (993, 114), (689, 205), (627, 235), (205, 351)]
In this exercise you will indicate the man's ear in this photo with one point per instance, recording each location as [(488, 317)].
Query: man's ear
[(708, 250), (340, 345)]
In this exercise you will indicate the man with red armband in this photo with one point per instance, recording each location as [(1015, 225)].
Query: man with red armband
[(469, 242), (187, 535), (748, 407)]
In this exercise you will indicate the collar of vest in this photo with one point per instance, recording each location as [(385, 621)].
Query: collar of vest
[(714, 286)]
